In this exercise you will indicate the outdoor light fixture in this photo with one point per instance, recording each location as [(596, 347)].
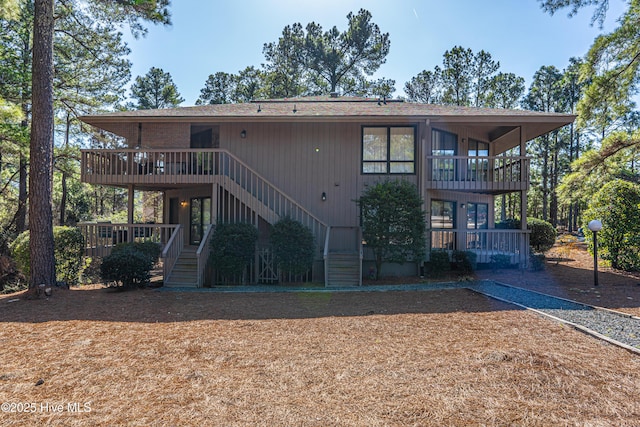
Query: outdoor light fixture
[(324, 196), (243, 134), (183, 203), (462, 205), (595, 225)]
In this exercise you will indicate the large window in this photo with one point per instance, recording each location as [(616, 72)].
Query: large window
[(444, 145), (389, 150)]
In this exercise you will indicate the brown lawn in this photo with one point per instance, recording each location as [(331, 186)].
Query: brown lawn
[(148, 358)]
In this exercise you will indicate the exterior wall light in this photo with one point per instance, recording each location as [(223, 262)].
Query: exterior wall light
[(243, 134), (324, 196), (184, 203)]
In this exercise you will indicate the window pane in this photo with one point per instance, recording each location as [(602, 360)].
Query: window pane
[(442, 214), (483, 212), (374, 167), (374, 144), (402, 144), (402, 167), (444, 143)]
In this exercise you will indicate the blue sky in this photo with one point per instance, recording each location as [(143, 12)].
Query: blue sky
[(208, 36)]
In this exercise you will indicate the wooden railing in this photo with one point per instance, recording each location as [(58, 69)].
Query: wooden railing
[(203, 252), (484, 243), (489, 173), (172, 250), (192, 166), (149, 166), (101, 237)]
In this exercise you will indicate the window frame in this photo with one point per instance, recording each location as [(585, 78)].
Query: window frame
[(453, 210), (475, 207), (388, 161)]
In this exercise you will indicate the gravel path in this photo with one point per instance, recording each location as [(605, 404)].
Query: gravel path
[(619, 327)]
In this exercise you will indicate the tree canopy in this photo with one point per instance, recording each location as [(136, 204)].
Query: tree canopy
[(155, 89)]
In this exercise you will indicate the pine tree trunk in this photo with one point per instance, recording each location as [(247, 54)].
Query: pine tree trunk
[(41, 156)]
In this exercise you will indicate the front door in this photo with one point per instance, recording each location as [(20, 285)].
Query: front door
[(199, 218)]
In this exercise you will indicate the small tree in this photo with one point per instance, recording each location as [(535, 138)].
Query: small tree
[(617, 205), (293, 246), (233, 247), (543, 235), (393, 222)]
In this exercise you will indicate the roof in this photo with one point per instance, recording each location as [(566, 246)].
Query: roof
[(330, 108)]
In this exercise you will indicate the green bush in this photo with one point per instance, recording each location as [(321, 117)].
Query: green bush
[(439, 261), (393, 222), (68, 251), (464, 261), (617, 205), (536, 262), (147, 247), (543, 235), (233, 247), (293, 246), (127, 267), (500, 261)]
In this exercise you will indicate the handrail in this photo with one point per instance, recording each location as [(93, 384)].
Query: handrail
[(171, 240), (172, 251), (325, 256), (202, 254), (480, 169)]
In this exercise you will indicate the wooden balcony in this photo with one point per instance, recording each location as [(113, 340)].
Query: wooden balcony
[(486, 244), (486, 174), (151, 168)]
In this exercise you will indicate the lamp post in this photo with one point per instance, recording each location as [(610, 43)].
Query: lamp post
[(595, 225)]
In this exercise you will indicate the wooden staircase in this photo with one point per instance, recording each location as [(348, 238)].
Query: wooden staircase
[(343, 269), (185, 272), (343, 257)]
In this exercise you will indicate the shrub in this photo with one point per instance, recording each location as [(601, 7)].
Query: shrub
[(147, 247), (500, 261), (543, 235), (439, 261), (127, 267), (68, 251), (465, 261), (616, 204), (293, 246), (233, 247), (536, 262)]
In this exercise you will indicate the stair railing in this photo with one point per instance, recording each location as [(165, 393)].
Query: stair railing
[(325, 256), (202, 254), (172, 250)]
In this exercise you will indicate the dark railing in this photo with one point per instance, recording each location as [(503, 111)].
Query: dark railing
[(478, 172)]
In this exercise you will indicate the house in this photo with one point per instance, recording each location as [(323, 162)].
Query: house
[(310, 158)]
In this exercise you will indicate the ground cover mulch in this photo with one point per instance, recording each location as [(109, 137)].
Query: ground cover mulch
[(569, 273), (149, 358)]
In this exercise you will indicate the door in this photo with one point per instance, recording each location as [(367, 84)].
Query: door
[(199, 218), (174, 211)]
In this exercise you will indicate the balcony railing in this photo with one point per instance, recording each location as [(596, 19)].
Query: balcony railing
[(478, 173), (486, 244), (147, 166), (101, 237)]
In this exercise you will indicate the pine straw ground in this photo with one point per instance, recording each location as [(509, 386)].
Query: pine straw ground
[(148, 358)]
